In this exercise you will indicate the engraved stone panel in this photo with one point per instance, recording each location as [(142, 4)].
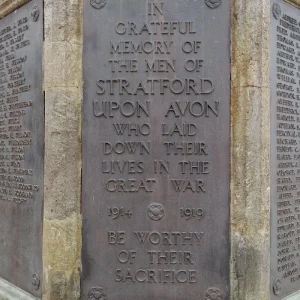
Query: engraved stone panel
[(285, 149), (156, 150), (21, 147)]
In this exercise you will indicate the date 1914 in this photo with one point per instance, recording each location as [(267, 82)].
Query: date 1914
[(118, 212)]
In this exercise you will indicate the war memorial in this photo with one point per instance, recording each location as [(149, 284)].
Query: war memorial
[(149, 150)]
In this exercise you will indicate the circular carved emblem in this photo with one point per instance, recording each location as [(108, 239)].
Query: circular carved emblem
[(213, 294), (98, 3), (156, 211), (97, 293), (36, 281), (277, 286), (35, 13), (276, 11), (213, 3)]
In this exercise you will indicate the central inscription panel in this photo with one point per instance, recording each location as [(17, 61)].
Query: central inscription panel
[(156, 150)]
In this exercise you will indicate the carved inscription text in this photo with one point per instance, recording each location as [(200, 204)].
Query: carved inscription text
[(156, 149)]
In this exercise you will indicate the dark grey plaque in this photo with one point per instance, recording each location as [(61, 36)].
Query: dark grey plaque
[(285, 149), (21, 147), (156, 150)]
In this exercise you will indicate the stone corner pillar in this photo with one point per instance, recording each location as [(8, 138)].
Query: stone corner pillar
[(250, 150), (63, 97)]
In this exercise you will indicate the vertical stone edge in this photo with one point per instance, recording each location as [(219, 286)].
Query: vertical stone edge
[(250, 150), (63, 99)]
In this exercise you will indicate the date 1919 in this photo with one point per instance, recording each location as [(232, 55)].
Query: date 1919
[(189, 213)]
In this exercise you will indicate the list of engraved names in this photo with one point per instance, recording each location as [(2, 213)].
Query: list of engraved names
[(21, 146), (16, 184), (285, 128)]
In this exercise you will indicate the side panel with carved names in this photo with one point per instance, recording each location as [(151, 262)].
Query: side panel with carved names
[(21, 147), (156, 150), (285, 149)]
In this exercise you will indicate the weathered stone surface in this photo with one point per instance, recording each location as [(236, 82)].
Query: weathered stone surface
[(62, 173), (61, 64), (63, 21), (8, 6), (63, 94), (62, 236), (250, 115)]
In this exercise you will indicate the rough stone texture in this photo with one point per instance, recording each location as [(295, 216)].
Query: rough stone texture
[(250, 182), (63, 96), (62, 260), (11, 292), (8, 6)]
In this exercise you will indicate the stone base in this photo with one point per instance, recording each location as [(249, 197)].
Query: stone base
[(294, 2), (9, 291), (8, 6), (295, 296)]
